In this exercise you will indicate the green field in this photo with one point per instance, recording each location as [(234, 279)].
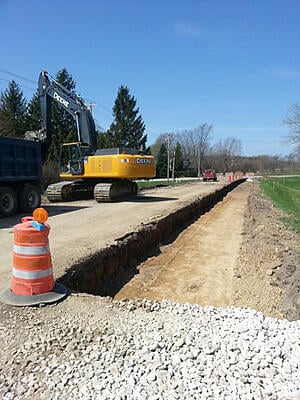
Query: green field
[(284, 192)]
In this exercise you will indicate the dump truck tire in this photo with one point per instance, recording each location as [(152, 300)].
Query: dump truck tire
[(8, 201), (29, 198)]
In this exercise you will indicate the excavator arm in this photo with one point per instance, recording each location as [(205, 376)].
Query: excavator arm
[(50, 90)]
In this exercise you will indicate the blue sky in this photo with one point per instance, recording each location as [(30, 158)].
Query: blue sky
[(234, 64)]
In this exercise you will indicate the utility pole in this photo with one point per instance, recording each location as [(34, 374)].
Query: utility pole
[(199, 164), (91, 105), (173, 167)]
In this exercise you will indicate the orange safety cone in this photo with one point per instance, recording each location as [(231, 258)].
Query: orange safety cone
[(229, 178), (32, 274)]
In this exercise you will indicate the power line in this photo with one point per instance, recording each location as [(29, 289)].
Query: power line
[(98, 104), (31, 81), (23, 86), (17, 76), (105, 108), (6, 80)]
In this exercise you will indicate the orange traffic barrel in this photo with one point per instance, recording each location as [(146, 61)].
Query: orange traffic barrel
[(32, 269), (32, 274)]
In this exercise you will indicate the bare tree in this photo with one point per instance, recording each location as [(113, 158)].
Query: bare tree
[(266, 163), (163, 138), (203, 136), (292, 120), (195, 144), (225, 154)]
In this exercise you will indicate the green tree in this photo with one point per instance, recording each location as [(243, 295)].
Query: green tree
[(33, 115), (127, 129), (33, 121), (63, 124), (12, 111), (103, 139), (178, 158), (162, 161), (163, 138)]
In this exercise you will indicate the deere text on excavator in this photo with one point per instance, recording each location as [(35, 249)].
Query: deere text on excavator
[(85, 170)]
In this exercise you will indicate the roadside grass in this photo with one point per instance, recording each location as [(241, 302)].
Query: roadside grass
[(285, 194), (157, 183)]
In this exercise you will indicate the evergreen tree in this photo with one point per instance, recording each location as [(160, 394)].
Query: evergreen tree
[(33, 115), (33, 122), (12, 111), (178, 158), (162, 161), (63, 124), (103, 139), (127, 129)]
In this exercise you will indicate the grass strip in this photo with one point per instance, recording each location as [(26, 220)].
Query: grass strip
[(284, 193)]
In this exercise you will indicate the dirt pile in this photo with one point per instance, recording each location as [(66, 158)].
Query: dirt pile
[(267, 276)]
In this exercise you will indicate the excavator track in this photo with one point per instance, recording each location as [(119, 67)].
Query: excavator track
[(102, 192), (58, 191), (107, 192), (69, 191)]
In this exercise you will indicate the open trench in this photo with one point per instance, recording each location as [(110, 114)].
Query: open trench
[(109, 270)]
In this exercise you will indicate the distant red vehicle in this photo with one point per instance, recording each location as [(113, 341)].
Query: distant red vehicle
[(209, 175)]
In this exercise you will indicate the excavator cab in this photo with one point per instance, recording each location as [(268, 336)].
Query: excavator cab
[(72, 158)]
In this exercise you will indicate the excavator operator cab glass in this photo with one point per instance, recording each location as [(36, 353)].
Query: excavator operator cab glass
[(86, 151), (71, 159)]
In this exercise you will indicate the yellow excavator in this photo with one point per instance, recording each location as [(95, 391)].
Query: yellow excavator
[(85, 170)]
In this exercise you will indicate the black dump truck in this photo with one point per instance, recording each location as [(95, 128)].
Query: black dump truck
[(20, 175)]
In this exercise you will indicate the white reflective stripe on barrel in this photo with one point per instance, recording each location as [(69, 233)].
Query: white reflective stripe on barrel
[(17, 273), (31, 250)]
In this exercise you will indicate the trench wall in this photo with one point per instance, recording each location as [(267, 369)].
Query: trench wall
[(105, 272)]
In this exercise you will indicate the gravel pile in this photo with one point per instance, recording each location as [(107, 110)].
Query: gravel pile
[(146, 350)]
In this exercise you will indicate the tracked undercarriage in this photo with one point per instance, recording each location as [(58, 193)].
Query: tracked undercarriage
[(101, 191)]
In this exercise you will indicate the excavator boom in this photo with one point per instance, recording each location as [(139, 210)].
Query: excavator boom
[(49, 90)]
